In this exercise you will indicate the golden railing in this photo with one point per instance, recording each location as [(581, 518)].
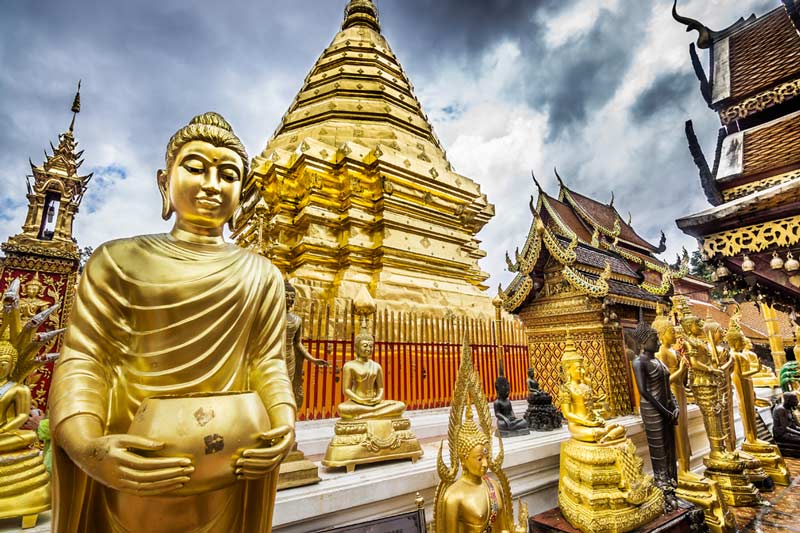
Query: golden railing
[(419, 355)]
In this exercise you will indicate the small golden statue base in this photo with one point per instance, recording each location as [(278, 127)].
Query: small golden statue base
[(359, 442), (297, 471), (770, 459), (730, 471), (603, 489), (705, 494), (25, 491)]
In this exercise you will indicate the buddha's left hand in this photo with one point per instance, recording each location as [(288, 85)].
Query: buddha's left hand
[(256, 463)]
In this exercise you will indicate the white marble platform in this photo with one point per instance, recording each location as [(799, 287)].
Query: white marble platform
[(374, 491)]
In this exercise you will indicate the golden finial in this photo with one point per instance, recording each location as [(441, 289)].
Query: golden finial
[(76, 106), (361, 12), (364, 306)]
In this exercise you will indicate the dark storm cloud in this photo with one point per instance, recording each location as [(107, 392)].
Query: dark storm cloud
[(667, 92)]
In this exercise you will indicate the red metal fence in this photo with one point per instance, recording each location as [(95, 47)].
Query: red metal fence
[(419, 356)]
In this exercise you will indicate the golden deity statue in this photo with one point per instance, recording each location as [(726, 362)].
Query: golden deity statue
[(371, 428), (602, 488), (768, 455), (709, 382), (476, 502), (764, 377), (24, 481), (171, 406), (691, 487), (31, 303)]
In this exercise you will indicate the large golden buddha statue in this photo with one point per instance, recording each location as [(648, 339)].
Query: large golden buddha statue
[(171, 406), (602, 488), (24, 482), (371, 428), (475, 502)]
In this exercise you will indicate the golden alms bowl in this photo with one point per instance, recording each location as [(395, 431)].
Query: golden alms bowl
[(212, 429)]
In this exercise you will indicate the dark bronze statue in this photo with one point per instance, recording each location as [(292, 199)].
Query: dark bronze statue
[(785, 428), (507, 422), (658, 408), (541, 415)]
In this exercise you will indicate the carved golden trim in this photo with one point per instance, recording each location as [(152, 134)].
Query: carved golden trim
[(760, 185), (754, 238), (754, 104), (579, 282)]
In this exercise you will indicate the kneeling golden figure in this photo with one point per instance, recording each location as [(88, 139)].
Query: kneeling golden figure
[(476, 502), (24, 482), (371, 428), (602, 488), (171, 406)]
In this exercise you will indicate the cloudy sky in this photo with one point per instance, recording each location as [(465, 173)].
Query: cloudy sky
[(598, 88)]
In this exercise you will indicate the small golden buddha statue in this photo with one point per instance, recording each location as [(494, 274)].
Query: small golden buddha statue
[(170, 406), (371, 428), (691, 487), (31, 303), (764, 377), (602, 488), (768, 455), (475, 502), (24, 481), (708, 380)]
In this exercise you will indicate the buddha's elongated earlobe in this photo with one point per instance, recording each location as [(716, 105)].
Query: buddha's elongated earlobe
[(234, 220), (163, 188)]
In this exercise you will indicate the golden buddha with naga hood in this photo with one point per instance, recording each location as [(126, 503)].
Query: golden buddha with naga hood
[(171, 335)]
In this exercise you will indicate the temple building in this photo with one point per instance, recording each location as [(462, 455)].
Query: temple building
[(44, 256), (750, 234), (583, 270), (355, 189)]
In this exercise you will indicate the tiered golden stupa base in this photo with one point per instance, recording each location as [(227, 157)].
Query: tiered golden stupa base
[(359, 442), (770, 460), (733, 473), (24, 486), (297, 471), (603, 489), (705, 494)]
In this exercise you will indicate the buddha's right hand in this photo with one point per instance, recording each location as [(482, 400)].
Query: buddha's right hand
[(112, 460)]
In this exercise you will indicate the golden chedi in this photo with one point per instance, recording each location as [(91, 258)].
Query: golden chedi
[(691, 487), (708, 381), (602, 488), (767, 454), (171, 406), (371, 428), (24, 481), (476, 502)]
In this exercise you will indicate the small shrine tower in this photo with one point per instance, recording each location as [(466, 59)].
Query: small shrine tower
[(354, 189), (45, 256)]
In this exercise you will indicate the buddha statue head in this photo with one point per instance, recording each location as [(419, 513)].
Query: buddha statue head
[(34, 287), (790, 400), (8, 360), (735, 337), (713, 329), (206, 164), (501, 384), (646, 338), (291, 294), (473, 447), (572, 363), (665, 330), (364, 344)]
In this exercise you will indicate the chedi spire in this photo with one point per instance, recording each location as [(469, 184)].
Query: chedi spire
[(363, 13)]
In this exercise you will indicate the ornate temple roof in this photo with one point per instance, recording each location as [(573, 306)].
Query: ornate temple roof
[(579, 234)]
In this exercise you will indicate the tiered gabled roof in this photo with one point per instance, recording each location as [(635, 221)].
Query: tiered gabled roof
[(580, 234)]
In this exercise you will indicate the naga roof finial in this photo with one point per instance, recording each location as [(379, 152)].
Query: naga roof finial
[(560, 181), (705, 36), (538, 185), (361, 12), (76, 106)]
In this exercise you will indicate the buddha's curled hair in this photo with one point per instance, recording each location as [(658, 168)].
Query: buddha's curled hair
[(213, 129)]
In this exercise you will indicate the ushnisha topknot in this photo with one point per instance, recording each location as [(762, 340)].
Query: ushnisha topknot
[(212, 128), (469, 436)]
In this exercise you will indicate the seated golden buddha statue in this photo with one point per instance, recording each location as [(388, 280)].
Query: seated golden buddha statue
[(602, 488), (476, 502), (371, 428), (764, 377), (171, 406), (24, 481)]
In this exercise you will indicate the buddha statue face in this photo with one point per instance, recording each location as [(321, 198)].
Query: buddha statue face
[(736, 340), (665, 331), (503, 388), (205, 182), (290, 297), (476, 462), (364, 345), (693, 326), (33, 289), (789, 400), (7, 356), (575, 371)]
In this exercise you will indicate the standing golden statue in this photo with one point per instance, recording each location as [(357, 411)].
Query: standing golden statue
[(296, 470), (371, 428), (691, 487), (602, 488), (475, 502), (171, 406), (768, 455), (24, 481), (707, 379)]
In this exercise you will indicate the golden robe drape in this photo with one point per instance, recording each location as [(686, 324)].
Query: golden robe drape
[(154, 315)]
